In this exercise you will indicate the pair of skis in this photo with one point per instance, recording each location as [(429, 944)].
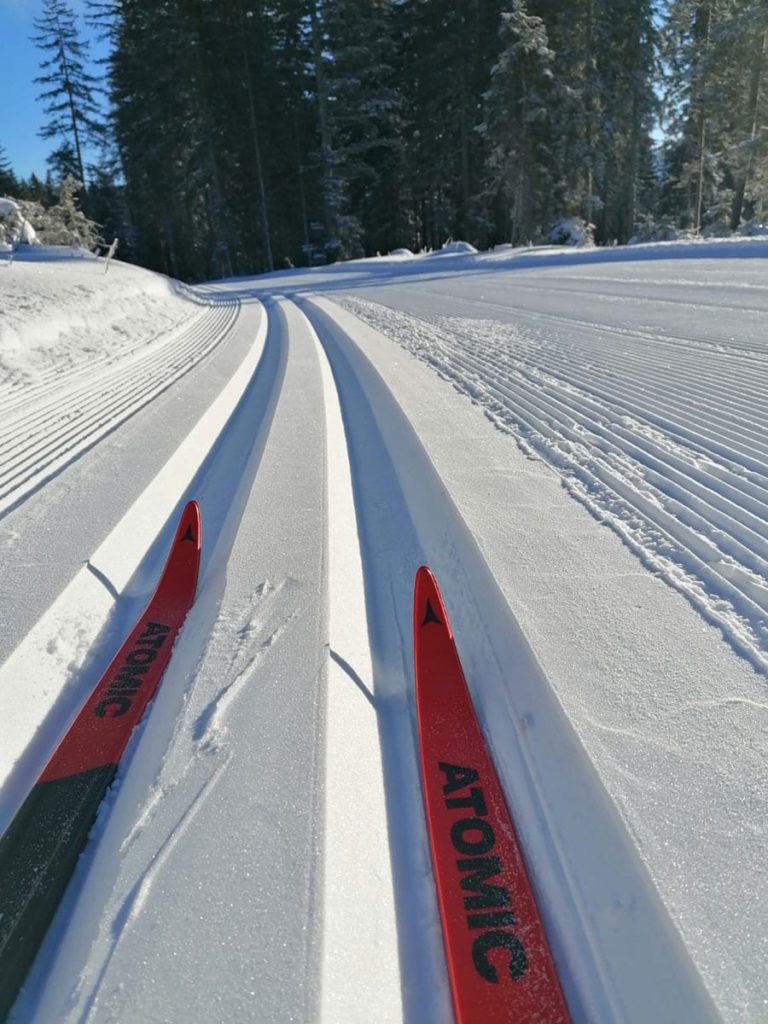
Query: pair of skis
[(499, 964)]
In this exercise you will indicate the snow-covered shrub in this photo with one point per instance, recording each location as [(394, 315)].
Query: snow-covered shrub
[(717, 229), (754, 230), (722, 229), (571, 231), (402, 251), (14, 226), (62, 224), (455, 247), (65, 224), (657, 231)]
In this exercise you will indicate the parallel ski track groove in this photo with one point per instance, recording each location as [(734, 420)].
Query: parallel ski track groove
[(698, 485), (748, 447), (686, 527), (80, 412), (17, 393), (732, 501), (81, 396)]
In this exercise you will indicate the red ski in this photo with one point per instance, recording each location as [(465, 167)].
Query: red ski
[(39, 850), (499, 963)]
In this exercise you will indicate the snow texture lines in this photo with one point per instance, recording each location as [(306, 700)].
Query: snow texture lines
[(270, 611), (662, 438), (48, 424)]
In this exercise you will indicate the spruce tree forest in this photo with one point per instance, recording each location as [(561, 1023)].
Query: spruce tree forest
[(234, 136)]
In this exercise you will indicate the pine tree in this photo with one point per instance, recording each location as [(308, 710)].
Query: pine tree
[(69, 87), (358, 109), (716, 57), (747, 36), (9, 184), (250, 135), (63, 163), (626, 65), (517, 126), (446, 55)]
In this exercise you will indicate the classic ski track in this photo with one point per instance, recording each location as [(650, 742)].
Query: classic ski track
[(134, 902), (52, 432), (696, 519), (83, 396), (48, 381)]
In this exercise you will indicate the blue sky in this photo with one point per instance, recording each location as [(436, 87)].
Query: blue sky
[(21, 115)]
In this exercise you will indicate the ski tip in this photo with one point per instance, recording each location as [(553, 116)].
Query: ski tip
[(424, 584), (183, 562), (428, 607), (424, 577), (190, 528)]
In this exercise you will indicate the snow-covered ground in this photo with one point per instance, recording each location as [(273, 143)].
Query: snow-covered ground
[(575, 441)]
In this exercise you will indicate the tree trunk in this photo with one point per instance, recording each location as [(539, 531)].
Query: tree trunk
[(702, 130), (326, 143), (218, 217), (756, 75), (256, 147)]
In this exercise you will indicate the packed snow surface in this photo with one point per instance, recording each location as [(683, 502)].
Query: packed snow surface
[(574, 440)]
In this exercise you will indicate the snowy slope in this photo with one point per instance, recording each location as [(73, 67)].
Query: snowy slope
[(263, 855)]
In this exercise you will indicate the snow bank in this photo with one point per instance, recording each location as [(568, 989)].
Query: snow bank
[(61, 310)]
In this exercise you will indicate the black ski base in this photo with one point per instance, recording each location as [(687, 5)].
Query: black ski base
[(38, 854)]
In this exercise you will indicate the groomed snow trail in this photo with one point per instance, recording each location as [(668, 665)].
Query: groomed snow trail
[(597, 919), (263, 855), (237, 747)]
